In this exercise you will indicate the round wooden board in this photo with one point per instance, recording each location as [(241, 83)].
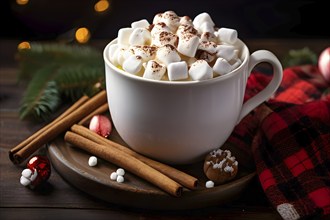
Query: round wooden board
[(72, 165)]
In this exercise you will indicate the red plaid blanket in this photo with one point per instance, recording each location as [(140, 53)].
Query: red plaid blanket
[(290, 139)]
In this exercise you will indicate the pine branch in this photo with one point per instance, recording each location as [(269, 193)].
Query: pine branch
[(41, 97), (75, 81), (41, 54), (57, 72)]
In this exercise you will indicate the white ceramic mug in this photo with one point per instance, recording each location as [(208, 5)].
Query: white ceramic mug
[(180, 122)]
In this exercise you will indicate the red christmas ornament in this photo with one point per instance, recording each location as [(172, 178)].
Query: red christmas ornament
[(101, 125), (38, 171)]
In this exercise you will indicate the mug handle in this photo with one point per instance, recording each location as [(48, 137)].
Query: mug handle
[(256, 58)]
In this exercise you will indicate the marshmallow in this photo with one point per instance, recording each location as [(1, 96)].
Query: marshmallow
[(113, 176), (121, 55), (120, 172), (92, 161), (123, 36), (177, 71), (167, 54), (222, 66), (203, 18), (145, 52), (226, 51), (154, 70), (204, 55), (157, 19), (227, 35), (133, 64), (188, 44), (163, 38), (200, 70), (208, 46), (140, 24), (27, 173), (208, 36), (209, 184), (25, 181), (140, 36), (159, 27), (186, 20), (113, 51), (206, 27), (236, 64), (120, 179), (171, 19), (186, 29)]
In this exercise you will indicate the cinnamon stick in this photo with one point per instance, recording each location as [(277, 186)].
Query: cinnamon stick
[(43, 129), (21, 152), (183, 178), (126, 161), (103, 108)]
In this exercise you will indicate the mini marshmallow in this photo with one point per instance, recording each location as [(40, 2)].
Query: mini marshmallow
[(154, 70), (200, 70), (113, 49), (202, 18), (123, 36), (159, 27), (133, 64), (167, 54), (207, 36), (171, 19), (206, 27), (113, 176), (186, 20), (27, 173), (121, 55), (120, 172), (226, 51), (188, 45), (25, 181), (186, 29), (140, 24), (28, 176), (222, 66), (204, 55), (157, 18), (92, 161), (236, 64), (208, 46), (120, 179), (165, 37), (140, 36), (145, 52), (227, 35), (209, 184), (177, 71)]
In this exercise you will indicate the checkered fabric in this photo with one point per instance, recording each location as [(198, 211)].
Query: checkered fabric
[(290, 139)]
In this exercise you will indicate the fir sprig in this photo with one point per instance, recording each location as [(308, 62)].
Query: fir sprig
[(57, 73)]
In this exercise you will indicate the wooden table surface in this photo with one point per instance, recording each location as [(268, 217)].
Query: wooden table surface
[(58, 199)]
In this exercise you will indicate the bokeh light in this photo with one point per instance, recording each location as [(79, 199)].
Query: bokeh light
[(22, 2), (82, 35), (24, 45), (101, 5)]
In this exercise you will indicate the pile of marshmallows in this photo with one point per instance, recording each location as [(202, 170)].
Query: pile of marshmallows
[(183, 48)]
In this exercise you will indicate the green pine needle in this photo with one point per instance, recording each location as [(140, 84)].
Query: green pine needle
[(57, 72), (41, 97), (78, 80), (299, 57)]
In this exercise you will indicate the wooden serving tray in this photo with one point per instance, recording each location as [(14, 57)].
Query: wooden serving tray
[(72, 165)]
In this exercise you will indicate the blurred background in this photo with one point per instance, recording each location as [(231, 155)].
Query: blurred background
[(85, 20)]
